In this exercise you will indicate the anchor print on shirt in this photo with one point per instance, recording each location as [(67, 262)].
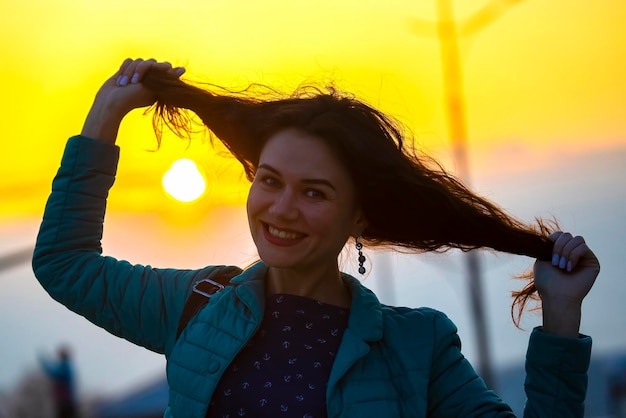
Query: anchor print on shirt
[(286, 364)]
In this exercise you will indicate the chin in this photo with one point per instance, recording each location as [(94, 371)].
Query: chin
[(278, 262)]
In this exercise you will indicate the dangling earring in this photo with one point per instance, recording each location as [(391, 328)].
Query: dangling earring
[(359, 247)]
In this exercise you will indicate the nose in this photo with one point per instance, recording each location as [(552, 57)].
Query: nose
[(284, 206)]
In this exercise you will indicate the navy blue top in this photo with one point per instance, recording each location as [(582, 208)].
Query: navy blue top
[(284, 369)]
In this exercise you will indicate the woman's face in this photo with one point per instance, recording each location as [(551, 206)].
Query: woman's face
[(301, 206)]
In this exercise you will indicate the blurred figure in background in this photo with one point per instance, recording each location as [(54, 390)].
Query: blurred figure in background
[(61, 374)]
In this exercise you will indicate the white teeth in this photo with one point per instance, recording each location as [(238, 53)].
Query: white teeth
[(282, 234)]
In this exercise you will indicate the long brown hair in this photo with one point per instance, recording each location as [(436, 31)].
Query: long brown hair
[(408, 200)]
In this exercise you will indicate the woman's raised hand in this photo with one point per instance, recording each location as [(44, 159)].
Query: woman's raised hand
[(120, 94), (564, 283)]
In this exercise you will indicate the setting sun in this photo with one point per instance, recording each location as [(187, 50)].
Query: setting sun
[(184, 181)]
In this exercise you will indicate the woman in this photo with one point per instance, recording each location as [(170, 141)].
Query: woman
[(292, 335)]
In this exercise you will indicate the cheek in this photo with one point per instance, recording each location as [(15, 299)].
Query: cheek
[(259, 202), (254, 200), (325, 220)]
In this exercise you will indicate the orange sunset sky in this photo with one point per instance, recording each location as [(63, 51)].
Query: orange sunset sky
[(543, 78)]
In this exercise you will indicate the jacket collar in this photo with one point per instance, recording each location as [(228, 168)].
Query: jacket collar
[(366, 318), (251, 288)]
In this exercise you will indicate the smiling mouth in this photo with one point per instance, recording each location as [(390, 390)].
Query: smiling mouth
[(282, 234)]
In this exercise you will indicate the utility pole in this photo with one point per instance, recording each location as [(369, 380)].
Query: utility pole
[(448, 33), (457, 129)]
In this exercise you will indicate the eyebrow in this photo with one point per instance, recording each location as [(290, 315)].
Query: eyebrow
[(306, 181)]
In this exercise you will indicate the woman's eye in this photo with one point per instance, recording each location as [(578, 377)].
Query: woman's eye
[(270, 181), (315, 194)]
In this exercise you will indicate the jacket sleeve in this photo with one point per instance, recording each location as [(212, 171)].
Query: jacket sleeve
[(556, 380), (455, 389), (556, 375), (138, 303)]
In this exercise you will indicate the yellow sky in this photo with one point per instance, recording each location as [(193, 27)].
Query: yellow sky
[(545, 77)]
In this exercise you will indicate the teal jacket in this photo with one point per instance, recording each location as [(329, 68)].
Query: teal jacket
[(392, 362)]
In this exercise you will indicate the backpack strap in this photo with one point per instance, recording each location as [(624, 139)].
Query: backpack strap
[(202, 292)]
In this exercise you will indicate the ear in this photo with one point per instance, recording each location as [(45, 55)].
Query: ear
[(360, 224)]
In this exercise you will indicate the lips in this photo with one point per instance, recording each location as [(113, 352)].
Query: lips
[(281, 237)]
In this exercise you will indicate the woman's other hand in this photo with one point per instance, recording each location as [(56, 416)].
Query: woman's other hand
[(120, 94), (564, 283)]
